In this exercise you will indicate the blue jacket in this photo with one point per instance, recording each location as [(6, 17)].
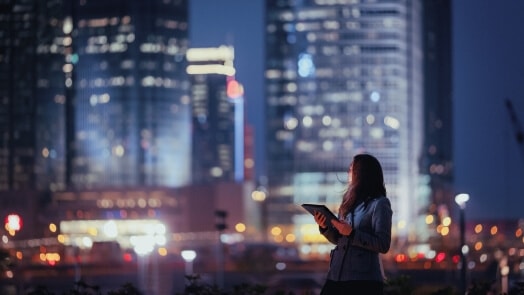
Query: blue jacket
[(356, 257)]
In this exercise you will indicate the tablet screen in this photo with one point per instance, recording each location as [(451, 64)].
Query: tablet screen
[(312, 208)]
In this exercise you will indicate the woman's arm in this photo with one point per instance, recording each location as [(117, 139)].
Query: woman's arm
[(331, 233), (379, 239)]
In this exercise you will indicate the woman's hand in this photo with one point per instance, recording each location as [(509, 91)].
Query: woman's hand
[(320, 219), (343, 228)]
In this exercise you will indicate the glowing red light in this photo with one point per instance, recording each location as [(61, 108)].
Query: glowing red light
[(440, 257), (234, 89), (456, 259), (128, 257), (400, 258)]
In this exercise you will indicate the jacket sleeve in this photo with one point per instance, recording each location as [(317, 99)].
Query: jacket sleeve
[(331, 233), (379, 239)]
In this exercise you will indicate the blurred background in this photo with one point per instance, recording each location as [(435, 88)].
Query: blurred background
[(146, 140)]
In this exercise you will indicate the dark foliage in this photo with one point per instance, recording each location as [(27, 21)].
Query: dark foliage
[(127, 289), (5, 260), (399, 286)]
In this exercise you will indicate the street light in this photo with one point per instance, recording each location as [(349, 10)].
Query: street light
[(188, 256), (143, 247), (461, 200)]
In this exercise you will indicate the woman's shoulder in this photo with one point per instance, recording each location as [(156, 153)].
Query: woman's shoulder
[(380, 198), (383, 203), (383, 199), (380, 201)]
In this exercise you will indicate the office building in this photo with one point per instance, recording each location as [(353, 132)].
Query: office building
[(96, 95), (217, 115), (20, 31), (342, 77), (131, 105), (437, 157)]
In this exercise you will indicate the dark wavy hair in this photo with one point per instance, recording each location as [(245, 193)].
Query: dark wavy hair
[(367, 182)]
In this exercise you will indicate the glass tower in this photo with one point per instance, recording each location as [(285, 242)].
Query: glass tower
[(342, 77), (53, 56), (18, 35), (437, 159), (115, 95), (217, 115)]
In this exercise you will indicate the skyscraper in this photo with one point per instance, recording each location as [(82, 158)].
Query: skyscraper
[(217, 115), (19, 30), (437, 156), (342, 77), (106, 82), (54, 114)]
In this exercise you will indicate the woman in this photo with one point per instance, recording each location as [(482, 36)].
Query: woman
[(361, 233)]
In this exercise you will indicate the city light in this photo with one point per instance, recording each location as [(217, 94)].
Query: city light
[(188, 256), (234, 89), (13, 223), (461, 200)]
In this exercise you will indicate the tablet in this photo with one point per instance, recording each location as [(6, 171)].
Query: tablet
[(312, 208)]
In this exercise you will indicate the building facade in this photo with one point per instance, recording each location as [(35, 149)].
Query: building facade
[(20, 30), (96, 95), (217, 116), (437, 157), (342, 77), (130, 94)]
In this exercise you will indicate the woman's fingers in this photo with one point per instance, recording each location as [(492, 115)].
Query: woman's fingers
[(320, 219)]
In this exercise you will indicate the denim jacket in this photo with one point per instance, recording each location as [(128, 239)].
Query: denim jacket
[(356, 257)]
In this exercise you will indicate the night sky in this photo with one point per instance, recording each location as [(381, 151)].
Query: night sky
[(488, 68), (488, 54)]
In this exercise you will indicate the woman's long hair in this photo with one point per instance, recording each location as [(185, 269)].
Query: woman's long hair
[(367, 182)]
